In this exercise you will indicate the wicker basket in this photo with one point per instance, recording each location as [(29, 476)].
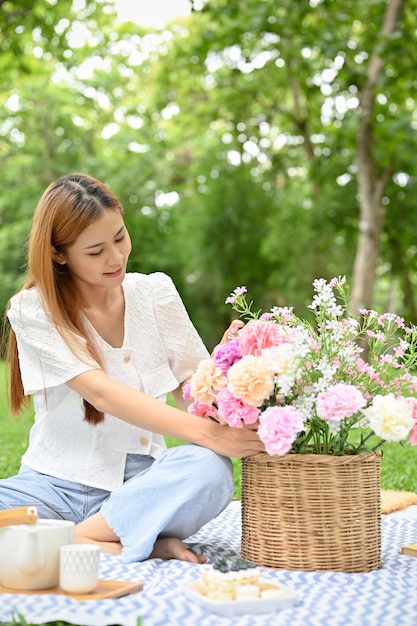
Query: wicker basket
[(312, 512)]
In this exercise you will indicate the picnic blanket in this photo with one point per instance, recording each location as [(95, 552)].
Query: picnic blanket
[(384, 597)]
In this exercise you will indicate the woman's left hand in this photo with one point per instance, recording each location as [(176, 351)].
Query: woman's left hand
[(230, 333)]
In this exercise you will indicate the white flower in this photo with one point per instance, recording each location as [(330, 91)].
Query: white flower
[(325, 298), (285, 384), (389, 417), (280, 359)]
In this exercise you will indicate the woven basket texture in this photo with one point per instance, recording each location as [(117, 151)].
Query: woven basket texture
[(312, 512)]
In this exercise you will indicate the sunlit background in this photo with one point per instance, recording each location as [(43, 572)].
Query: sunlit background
[(154, 13)]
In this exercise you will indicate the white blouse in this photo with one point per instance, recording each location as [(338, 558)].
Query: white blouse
[(161, 348)]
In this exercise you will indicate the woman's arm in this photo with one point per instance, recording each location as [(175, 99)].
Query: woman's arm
[(139, 409)]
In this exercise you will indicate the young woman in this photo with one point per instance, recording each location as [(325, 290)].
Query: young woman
[(99, 350)]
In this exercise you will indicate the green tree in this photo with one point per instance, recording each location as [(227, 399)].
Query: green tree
[(235, 139), (288, 83)]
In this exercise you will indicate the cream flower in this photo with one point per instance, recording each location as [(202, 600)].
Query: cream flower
[(250, 380), (389, 417), (207, 381), (281, 360)]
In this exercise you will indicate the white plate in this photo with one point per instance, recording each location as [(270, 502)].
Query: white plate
[(239, 607)]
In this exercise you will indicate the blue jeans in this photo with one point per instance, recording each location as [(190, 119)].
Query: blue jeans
[(171, 496)]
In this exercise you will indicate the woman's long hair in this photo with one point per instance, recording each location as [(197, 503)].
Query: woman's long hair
[(65, 210)]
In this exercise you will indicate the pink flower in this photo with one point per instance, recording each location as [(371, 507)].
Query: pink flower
[(186, 391), (412, 405), (339, 280), (203, 410), (227, 354), (235, 412), (239, 291), (250, 380), (278, 428), (413, 435), (258, 335), (339, 401)]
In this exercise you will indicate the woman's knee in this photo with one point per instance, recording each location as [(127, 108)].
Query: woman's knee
[(201, 464), (212, 469)]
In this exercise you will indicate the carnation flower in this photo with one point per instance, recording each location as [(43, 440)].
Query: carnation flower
[(186, 391), (339, 401), (207, 381), (204, 410), (235, 412), (256, 336), (389, 417), (280, 359), (412, 405), (250, 380), (278, 427), (227, 354)]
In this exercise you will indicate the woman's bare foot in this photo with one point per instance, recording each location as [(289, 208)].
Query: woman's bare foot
[(173, 548), (97, 527)]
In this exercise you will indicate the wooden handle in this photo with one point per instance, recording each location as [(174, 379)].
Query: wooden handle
[(24, 515)]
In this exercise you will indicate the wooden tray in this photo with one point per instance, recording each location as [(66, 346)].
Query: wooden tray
[(105, 589)]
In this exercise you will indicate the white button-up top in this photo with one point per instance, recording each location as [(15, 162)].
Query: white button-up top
[(161, 348)]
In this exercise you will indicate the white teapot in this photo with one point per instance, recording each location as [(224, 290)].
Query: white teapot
[(29, 553)]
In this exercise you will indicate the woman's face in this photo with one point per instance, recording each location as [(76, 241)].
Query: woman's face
[(99, 255)]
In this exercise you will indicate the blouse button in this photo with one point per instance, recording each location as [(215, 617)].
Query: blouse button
[(126, 358), (144, 441)]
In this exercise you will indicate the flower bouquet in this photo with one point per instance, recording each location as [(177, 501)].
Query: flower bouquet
[(324, 397), (311, 387)]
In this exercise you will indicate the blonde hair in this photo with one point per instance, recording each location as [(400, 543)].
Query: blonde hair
[(67, 207)]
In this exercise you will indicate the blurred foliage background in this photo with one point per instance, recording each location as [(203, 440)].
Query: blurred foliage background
[(231, 137)]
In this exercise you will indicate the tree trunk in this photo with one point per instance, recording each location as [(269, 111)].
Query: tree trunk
[(371, 181)]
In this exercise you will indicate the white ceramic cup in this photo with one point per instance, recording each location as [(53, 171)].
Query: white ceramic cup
[(79, 568)]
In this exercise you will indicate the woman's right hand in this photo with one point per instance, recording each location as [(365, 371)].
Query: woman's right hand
[(235, 442)]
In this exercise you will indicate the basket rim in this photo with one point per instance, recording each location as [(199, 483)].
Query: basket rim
[(314, 459)]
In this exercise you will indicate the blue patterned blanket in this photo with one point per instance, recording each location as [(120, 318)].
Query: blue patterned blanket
[(385, 597)]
